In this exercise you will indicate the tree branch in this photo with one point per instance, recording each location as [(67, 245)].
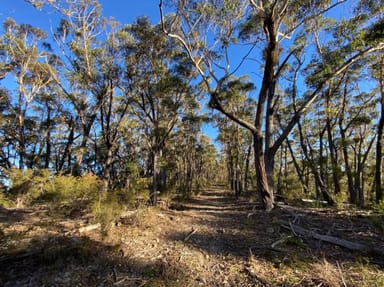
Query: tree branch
[(315, 94)]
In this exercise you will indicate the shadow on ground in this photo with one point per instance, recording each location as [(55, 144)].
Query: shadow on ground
[(232, 227)]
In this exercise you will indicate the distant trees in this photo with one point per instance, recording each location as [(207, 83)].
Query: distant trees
[(278, 30), (27, 58), (101, 98), (161, 83)]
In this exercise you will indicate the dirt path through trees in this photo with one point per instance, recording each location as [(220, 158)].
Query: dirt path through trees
[(212, 239)]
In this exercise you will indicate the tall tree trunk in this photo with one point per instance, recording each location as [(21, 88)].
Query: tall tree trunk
[(379, 155), (358, 172), (351, 187), (86, 126), (344, 147), (264, 160), (318, 178), (380, 140), (246, 172), (266, 196), (334, 163), (155, 171), (22, 143), (48, 139), (299, 171), (67, 150), (322, 159), (108, 168)]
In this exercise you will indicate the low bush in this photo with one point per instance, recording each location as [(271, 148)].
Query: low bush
[(63, 193)]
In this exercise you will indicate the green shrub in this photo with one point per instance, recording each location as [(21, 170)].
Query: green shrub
[(111, 205), (5, 201), (380, 206), (27, 185), (63, 193)]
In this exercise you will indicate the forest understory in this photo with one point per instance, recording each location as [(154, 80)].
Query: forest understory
[(211, 239)]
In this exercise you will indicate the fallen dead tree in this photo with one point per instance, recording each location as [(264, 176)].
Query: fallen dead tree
[(353, 246)]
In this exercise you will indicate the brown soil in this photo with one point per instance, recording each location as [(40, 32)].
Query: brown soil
[(210, 240)]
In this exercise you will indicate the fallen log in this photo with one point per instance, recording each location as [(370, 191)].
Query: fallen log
[(354, 246)]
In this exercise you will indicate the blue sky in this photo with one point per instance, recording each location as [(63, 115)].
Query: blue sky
[(125, 11)]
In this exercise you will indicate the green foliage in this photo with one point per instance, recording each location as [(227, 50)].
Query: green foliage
[(108, 208), (27, 185), (63, 192), (375, 33), (380, 206), (5, 201), (340, 199)]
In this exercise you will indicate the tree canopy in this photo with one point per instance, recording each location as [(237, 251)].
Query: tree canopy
[(295, 93)]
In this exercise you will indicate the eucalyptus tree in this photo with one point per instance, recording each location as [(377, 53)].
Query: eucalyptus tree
[(5, 128), (23, 51), (161, 78), (346, 98), (117, 85), (81, 78), (208, 30), (376, 34)]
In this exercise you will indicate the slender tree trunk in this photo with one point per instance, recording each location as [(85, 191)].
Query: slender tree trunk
[(351, 187), (22, 148), (246, 172), (318, 179), (344, 148), (86, 126), (299, 171), (155, 170), (48, 139), (68, 147), (379, 155), (334, 163), (358, 173), (280, 174), (322, 159), (380, 140)]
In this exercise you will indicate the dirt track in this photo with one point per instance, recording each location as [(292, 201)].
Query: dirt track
[(210, 240)]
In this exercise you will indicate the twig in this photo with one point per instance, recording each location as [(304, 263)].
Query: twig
[(89, 227), (186, 238), (126, 278), (341, 274), (282, 240), (291, 226)]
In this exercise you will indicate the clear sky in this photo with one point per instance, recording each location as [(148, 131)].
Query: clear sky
[(125, 11)]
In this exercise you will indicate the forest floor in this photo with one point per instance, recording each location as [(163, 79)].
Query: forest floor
[(212, 239)]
